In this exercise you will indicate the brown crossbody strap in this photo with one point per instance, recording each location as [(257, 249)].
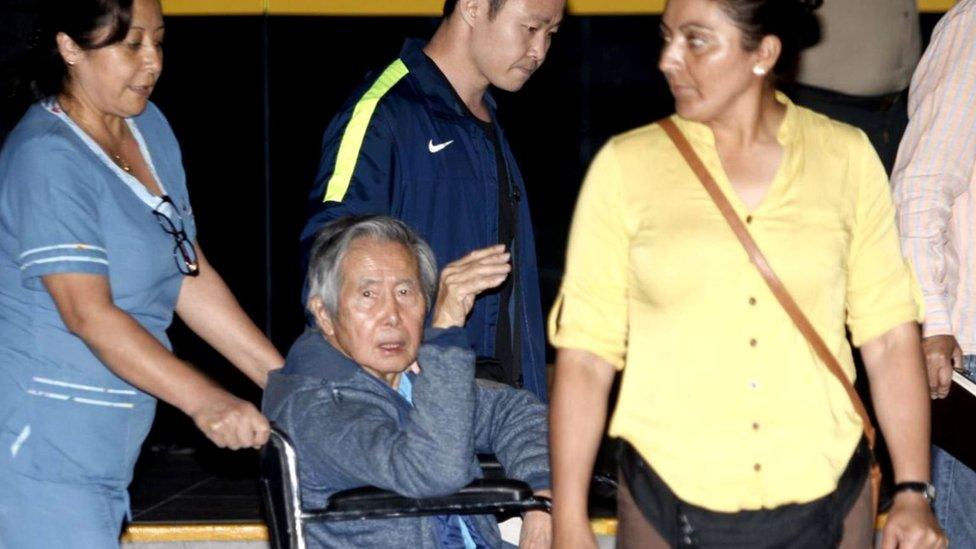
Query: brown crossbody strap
[(773, 281)]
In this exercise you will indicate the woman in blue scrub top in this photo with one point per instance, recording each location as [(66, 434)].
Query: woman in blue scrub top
[(97, 250)]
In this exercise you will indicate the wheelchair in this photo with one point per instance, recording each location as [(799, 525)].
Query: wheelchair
[(287, 517)]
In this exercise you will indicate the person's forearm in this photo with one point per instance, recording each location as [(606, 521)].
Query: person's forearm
[(140, 359), (514, 426), (923, 223), (85, 304), (577, 417), (927, 256), (207, 307), (899, 389)]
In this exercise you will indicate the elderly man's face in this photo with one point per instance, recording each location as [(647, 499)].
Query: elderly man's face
[(380, 316)]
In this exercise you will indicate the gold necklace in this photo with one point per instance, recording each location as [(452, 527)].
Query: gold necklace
[(122, 163), (117, 158)]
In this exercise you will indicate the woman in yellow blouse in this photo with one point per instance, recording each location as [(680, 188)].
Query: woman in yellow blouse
[(736, 434)]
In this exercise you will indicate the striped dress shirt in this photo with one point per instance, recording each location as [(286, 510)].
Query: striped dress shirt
[(935, 177)]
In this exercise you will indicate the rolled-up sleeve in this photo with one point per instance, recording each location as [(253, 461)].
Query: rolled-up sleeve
[(590, 312), (881, 291), (54, 211)]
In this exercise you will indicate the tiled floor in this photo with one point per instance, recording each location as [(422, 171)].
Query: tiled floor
[(200, 486), (214, 486), (210, 485)]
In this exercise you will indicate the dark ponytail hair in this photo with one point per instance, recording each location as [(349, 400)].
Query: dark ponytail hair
[(40, 71), (792, 21)]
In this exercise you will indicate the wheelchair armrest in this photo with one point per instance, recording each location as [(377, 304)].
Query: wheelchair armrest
[(490, 467), (481, 497)]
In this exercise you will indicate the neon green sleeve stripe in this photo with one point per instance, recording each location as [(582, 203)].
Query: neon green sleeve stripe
[(352, 138)]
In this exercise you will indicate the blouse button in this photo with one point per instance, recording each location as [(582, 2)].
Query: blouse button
[(753, 342), (748, 219), (757, 467), (752, 301)]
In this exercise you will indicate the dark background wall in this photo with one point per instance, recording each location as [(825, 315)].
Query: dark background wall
[(250, 96)]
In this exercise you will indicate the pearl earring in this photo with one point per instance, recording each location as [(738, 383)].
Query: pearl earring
[(759, 70)]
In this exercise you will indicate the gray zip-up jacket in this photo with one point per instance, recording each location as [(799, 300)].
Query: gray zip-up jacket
[(350, 429)]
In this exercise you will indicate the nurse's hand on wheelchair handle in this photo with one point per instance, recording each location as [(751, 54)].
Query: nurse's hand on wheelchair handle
[(231, 422)]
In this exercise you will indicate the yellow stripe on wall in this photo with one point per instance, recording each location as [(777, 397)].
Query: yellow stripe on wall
[(215, 7), (615, 7), (424, 8), (434, 7), (936, 6), (418, 7)]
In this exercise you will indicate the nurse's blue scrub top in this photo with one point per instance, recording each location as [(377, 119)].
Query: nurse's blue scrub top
[(65, 207)]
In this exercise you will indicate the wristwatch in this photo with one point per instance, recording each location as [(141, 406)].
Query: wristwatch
[(924, 488)]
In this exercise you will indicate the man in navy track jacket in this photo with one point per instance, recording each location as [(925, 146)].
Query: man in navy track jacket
[(420, 140)]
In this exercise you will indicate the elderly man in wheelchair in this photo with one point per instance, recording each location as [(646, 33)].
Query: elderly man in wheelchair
[(371, 398)]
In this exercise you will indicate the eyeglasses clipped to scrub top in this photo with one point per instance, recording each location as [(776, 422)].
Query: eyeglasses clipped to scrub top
[(183, 253)]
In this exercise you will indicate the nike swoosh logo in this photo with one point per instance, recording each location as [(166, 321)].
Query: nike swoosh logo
[(434, 149)]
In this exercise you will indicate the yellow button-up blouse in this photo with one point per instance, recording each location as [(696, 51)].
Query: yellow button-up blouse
[(721, 394)]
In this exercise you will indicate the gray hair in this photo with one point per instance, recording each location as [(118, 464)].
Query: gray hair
[(333, 241)]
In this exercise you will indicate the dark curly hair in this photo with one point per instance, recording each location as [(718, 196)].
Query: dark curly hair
[(792, 21)]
